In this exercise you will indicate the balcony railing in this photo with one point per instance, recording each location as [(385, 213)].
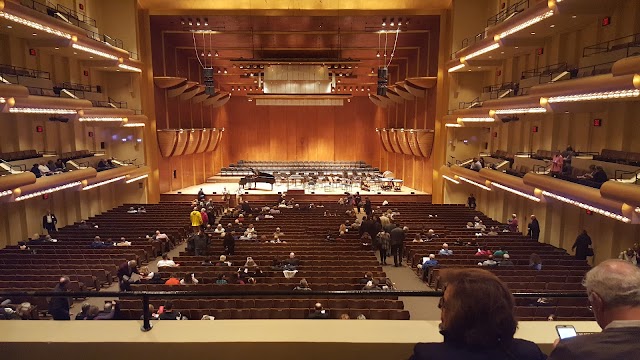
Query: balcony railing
[(508, 12), (147, 295), (20, 71), (630, 42), (81, 87), (545, 70)]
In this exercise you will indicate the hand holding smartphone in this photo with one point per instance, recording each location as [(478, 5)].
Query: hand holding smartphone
[(566, 331)]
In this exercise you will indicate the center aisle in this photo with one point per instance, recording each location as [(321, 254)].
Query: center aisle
[(421, 308)]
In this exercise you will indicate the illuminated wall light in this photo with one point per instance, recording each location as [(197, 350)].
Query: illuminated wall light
[(521, 111), (587, 207), (102, 119), (136, 179), (452, 125), (2, 100), (637, 210), (526, 24), (474, 183), (514, 191), (103, 183), (605, 95), (480, 119), (35, 25), (130, 68), (134, 125), (482, 51), (49, 191), (457, 67), (94, 51), (451, 179), (42, 111), (5, 193)]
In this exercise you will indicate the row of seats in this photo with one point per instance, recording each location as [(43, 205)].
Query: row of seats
[(20, 155), (620, 157)]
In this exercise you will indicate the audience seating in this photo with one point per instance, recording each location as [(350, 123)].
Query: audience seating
[(243, 167), (620, 157), (20, 155), (72, 155)]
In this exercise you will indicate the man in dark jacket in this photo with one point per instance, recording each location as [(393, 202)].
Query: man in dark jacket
[(581, 245), (318, 312), (200, 243), (357, 199), (125, 271), (397, 236), (368, 209), (534, 228), (49, 222), (59, 305), (229, 243)]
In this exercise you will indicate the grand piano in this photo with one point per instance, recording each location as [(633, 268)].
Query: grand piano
[(257, 177)]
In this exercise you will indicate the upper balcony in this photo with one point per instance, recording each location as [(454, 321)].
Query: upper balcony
[(46, 27), (524, 29)]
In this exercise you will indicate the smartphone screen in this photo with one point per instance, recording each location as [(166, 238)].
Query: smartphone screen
[(566, 331)]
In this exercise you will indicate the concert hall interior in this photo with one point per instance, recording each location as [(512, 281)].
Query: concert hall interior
[(474, 126)]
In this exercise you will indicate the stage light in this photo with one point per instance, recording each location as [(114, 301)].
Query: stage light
[(209, 54), (587, 207), (134, 125), (137, 178), (452, 125), (197, 21), (524, 25), (225, 70), (42, 111), (477, 120), (103, 119), (520, 111), (384, 22), (130, 68), (514, 191), (94, 51), (457, 67), (392, 23), (5, 193), (451, 179), (474, 183), (399, 21), (101, 183), (216, 54), (482, 51), (190, 22), (206, 22), (182, 21), (48, 191), (35, 25), (605, 95)]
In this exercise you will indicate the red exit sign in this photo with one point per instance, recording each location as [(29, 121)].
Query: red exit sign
[(597, 122), (606, 21)]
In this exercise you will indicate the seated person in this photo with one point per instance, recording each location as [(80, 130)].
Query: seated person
[(223, 261), (445, 250), (488, 262), (493, 231), (499, 253), (83, 313), (60, 165), (219, 229), (470, 225), (97, 243), (141, 209), (36, 171), (132, 210), (303, 286), (51, 165), (44, 170), (166, 262), (168, 313), (416, 239), (109, 312), (589, 175), (102, 165), (600, 176), (278, 233), (505, 261), (372, 285), (318, 312), (426, 266), (431, 234), (483, 251), (189, 279), (172, 280), (222, 280), (368, 276), (292, 261), (123, 242)]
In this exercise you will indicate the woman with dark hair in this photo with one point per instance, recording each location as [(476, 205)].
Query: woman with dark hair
[(477, 314)]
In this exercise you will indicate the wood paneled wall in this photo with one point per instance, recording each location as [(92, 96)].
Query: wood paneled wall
[(301, 133)]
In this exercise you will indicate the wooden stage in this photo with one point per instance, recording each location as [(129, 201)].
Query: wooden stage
[(214, 187)]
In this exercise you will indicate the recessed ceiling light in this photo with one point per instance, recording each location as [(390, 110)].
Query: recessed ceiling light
[(574, 16), (517, 47), (9, 27), (118, 70), (501, 52), (490, 57), (552, 25), (75, 53), (533, 33), (57, 48), (479, 67), (90, 57), (34, 34)]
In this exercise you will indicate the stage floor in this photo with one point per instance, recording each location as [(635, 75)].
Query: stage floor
[(265, 189)]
